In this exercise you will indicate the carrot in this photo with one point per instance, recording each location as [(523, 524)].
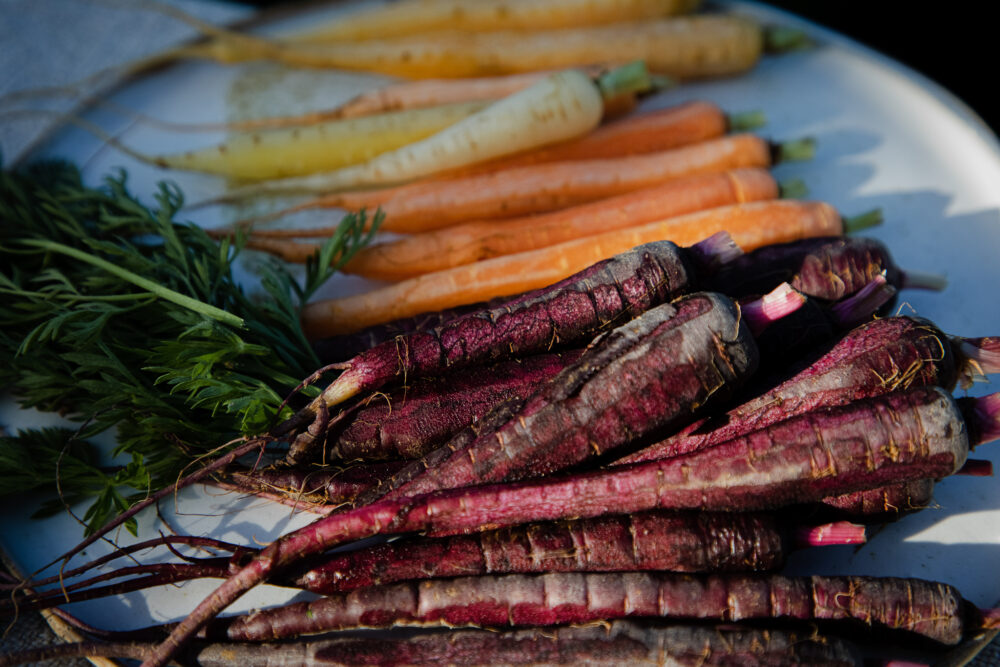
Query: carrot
[(432, 204), (750, 225), (318, 147), (411, 421), (671, 541), (475, 241), (606, 644), (649, 375), (560, 106), (408, 17), (825, 268), (682, 47), (594, 299), (919, 434)]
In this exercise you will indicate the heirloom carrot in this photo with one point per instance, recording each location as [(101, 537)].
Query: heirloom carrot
[(750, 225), (431, 204), (475, 241)]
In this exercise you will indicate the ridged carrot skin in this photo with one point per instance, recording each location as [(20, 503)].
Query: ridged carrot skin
[(884, 355), (409, 422), (804, 459), (677, 542), (649, 375), (750, 225), (524, 190), (471, 242), (607, 644), (927, 609)]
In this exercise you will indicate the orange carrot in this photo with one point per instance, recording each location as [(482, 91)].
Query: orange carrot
[(475, 241), (543, 187), (751, 226)]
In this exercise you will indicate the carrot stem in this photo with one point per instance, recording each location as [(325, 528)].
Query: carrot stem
[(630, 78), (865, 220), (976, 468), (794, 188), (746, 120), (782, 39), (797, 150), (840, 532)]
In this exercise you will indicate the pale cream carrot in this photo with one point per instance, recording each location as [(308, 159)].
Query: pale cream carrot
[(518, 191), (476, 241), (751, 226)]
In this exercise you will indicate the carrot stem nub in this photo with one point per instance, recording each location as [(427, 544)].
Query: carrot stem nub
[(782, 39), (794, 188), (796, 150), (976, 468), (746, 120), (856, 223), (982, 418), (922, 280), (778, 303), (630, 78), (858, 307), (839, 532)]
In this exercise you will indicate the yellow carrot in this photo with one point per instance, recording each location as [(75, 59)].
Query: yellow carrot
[(407, 17), (295, 151), (751, 226)]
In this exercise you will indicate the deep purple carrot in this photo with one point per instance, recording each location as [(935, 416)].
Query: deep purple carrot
[(596, 299), (884, 355), (649, 374), (656, 540), (617, 643), (828, 268), (922, 608), (326, 485), (825, 453), (411, 421)]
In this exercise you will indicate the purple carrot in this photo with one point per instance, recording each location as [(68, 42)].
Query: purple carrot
[(825, 453), (922, 608), (657, 540), (315, 485), (825, 268), (881, 356), (612, 644), (648, 375), (603, 296), (411, 421)]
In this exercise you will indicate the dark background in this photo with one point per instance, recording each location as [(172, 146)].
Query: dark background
[(956, 45)]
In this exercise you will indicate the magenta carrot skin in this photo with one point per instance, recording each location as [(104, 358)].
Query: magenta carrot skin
[(674, 541), (409, 422), (928, 609), (828, 268), (649, 374), (598, 298), (612, 644), (805, 459), (884, 355)]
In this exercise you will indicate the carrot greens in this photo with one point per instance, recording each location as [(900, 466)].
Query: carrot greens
[(119, 317)]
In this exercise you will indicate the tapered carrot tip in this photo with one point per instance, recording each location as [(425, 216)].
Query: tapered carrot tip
[(858, 307), (793, 188), (781, 39), (976, 468), (778, 303), (872, 218)]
